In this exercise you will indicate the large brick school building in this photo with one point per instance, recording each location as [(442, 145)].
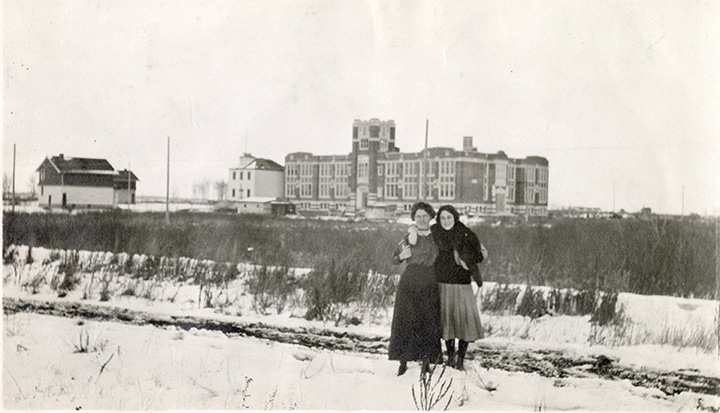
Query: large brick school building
[(377, 176)]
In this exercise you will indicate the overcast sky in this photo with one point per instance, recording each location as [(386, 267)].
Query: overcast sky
[(615, 94)]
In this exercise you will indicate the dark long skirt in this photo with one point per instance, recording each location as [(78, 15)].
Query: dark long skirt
[(416, 326)]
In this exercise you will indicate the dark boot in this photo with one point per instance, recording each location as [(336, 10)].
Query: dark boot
[(462, 349), (450, 346), (403, 367)]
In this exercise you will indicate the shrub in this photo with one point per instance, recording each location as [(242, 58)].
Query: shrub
[(29, 258), (604, 313), (128, 265), (223, 273), (316, 299), (532, 303), (8, 255), (581, 303), (35, 283), (148, 269), (130, 289), (69, 268), (501, 299), (105, 287), (270, 287), (104, 294), (331, 286), (617, 330), (88, 343), (379, 291)]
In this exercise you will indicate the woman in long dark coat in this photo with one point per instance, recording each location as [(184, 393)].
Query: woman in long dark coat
[(416, 328), (456, 265)]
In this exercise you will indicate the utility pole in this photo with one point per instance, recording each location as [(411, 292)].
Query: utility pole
[(13, 181), (613, 197), (167, 185), (683, 202), (129, 188)]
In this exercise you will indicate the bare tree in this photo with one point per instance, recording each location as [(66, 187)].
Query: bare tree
[(7, 186), (220, 190), (32, 186), (201, 189)]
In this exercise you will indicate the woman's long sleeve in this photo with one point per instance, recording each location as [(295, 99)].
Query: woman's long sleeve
[(398, 248), (470, 250)]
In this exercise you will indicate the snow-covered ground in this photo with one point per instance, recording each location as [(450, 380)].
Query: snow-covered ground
[(130, 367), (137, 207), (172, 207), (144, 367)]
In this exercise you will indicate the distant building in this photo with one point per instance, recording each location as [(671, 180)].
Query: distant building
[(255, 177), (376, 176), (579, 212), (255, 205), (645, 213), (83, 183), (125, 186)]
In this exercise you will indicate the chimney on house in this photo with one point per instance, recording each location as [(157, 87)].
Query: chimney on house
[(468, 144), (61, 156)]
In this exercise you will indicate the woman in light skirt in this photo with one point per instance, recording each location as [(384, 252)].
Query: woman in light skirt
[(459, 253)]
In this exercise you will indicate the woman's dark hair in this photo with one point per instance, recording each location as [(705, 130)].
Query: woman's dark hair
[(425, 207), (451, 209)]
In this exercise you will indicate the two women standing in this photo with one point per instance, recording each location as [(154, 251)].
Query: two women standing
[(434, 298)]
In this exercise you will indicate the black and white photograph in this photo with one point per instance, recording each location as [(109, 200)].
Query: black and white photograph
[(361, 205)]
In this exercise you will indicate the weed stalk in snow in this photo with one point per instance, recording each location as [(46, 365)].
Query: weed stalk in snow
[(429, 394)]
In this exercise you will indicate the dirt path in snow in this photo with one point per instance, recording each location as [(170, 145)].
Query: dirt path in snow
[(547, 363)]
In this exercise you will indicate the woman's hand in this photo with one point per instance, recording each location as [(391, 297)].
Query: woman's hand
[(412, 234), (405, 253), (459, 261)]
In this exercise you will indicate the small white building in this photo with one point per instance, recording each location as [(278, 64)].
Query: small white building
[(255, 178), (255, 205), (125, 185)]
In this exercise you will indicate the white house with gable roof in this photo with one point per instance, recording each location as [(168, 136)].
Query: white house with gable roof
[(83, 183), (255, 178)]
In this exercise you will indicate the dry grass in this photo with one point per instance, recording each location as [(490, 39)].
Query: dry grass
[(620, 331), (665, 257), (89, 341)]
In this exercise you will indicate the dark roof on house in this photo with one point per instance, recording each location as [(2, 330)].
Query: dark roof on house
[(264, 164), (122, 176), (90, 165)]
